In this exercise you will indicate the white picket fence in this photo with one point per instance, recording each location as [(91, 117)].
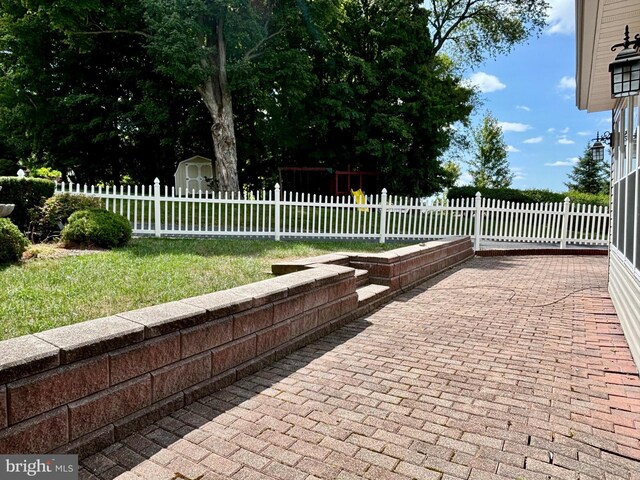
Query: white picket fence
[(163, 211)]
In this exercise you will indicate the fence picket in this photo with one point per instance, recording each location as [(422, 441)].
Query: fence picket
[(299, 214)]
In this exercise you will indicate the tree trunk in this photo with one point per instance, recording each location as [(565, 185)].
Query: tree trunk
[(216, 96), (224, 146)]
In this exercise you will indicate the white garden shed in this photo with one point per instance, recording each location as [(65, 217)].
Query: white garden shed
[(192, 174)]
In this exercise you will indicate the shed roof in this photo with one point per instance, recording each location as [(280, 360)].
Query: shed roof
[(196, 158)]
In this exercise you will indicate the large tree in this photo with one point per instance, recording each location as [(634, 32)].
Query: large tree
[(200, 43), (89, 103), (382, 101), (327, 81), (589, 175), (489, 167), (195, 44), (469, 30)]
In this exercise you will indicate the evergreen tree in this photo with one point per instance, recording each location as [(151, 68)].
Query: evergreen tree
[(490, 166), (589, 175)]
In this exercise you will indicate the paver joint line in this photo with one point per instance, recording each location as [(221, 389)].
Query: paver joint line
[(502, 368)]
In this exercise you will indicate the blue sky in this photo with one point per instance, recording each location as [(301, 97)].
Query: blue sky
[(531, 92)]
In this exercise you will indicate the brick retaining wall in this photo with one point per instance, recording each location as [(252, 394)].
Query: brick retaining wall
[(82, 387)]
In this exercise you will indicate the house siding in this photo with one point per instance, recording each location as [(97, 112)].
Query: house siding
[(624, 288)]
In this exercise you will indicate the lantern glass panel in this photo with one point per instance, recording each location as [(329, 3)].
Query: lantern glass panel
[(625, 78), (598, 152)]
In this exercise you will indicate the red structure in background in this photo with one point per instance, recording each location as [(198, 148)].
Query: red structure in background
[(327, 181)]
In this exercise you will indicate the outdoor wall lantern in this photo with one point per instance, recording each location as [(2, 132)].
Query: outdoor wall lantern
[(597, 149), (625, 69)]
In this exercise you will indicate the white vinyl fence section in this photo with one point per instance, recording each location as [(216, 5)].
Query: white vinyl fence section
[(164, 211)]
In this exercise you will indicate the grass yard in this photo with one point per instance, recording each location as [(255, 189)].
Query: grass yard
[(40, 294)]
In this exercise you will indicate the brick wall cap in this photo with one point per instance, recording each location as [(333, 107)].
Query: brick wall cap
[(326, 258), (409, 251), (298, 264), (93, 337), (221, 303), (264, 291), (382, 257), (343, 272), (297, 282), (26, 355), (166, 317)]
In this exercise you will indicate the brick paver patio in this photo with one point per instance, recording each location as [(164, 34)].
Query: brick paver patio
[(506, 367)]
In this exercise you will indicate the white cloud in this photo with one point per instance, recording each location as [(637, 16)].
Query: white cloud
[(514, 127), (485, 82), (561, 17), (551, 130), (567, 83), (563, 140), (565, 130), (523, 107), (569, 162), (512, 149), (584, 134), (465, 179), (534, 140), (518, 173)]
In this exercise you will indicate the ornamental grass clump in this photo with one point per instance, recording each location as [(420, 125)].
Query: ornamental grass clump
[(97, 228), (12, 242)]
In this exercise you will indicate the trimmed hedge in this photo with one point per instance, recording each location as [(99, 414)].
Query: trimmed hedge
[(528, 196), (26, 193), (12, 242), (599, 200), (97, 227), (51, 218)]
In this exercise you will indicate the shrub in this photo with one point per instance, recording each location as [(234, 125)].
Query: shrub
[(506, 194), (12, 242), (544, 196), (528, 196), (46, 172), (26, 193), (49, 219), (595, 199), (97, 227)]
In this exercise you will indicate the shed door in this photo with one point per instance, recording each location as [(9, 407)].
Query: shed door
[(195, 174)]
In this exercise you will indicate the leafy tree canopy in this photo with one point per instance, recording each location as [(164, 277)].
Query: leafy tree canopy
[(469, 30), (130, 87), (489, 167)]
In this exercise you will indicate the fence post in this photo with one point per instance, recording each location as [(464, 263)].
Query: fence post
[(565, 223), (156, 204), (383, 215), (478, 222), (277, 212)]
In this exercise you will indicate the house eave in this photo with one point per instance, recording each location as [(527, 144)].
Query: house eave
[(600, 24)]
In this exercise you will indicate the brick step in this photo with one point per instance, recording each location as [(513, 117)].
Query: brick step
[(369, 293), (362, 277)]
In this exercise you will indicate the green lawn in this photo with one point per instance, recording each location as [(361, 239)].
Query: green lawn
[(46, 293)]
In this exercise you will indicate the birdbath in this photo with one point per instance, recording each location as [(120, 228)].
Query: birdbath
[(6, 209)]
